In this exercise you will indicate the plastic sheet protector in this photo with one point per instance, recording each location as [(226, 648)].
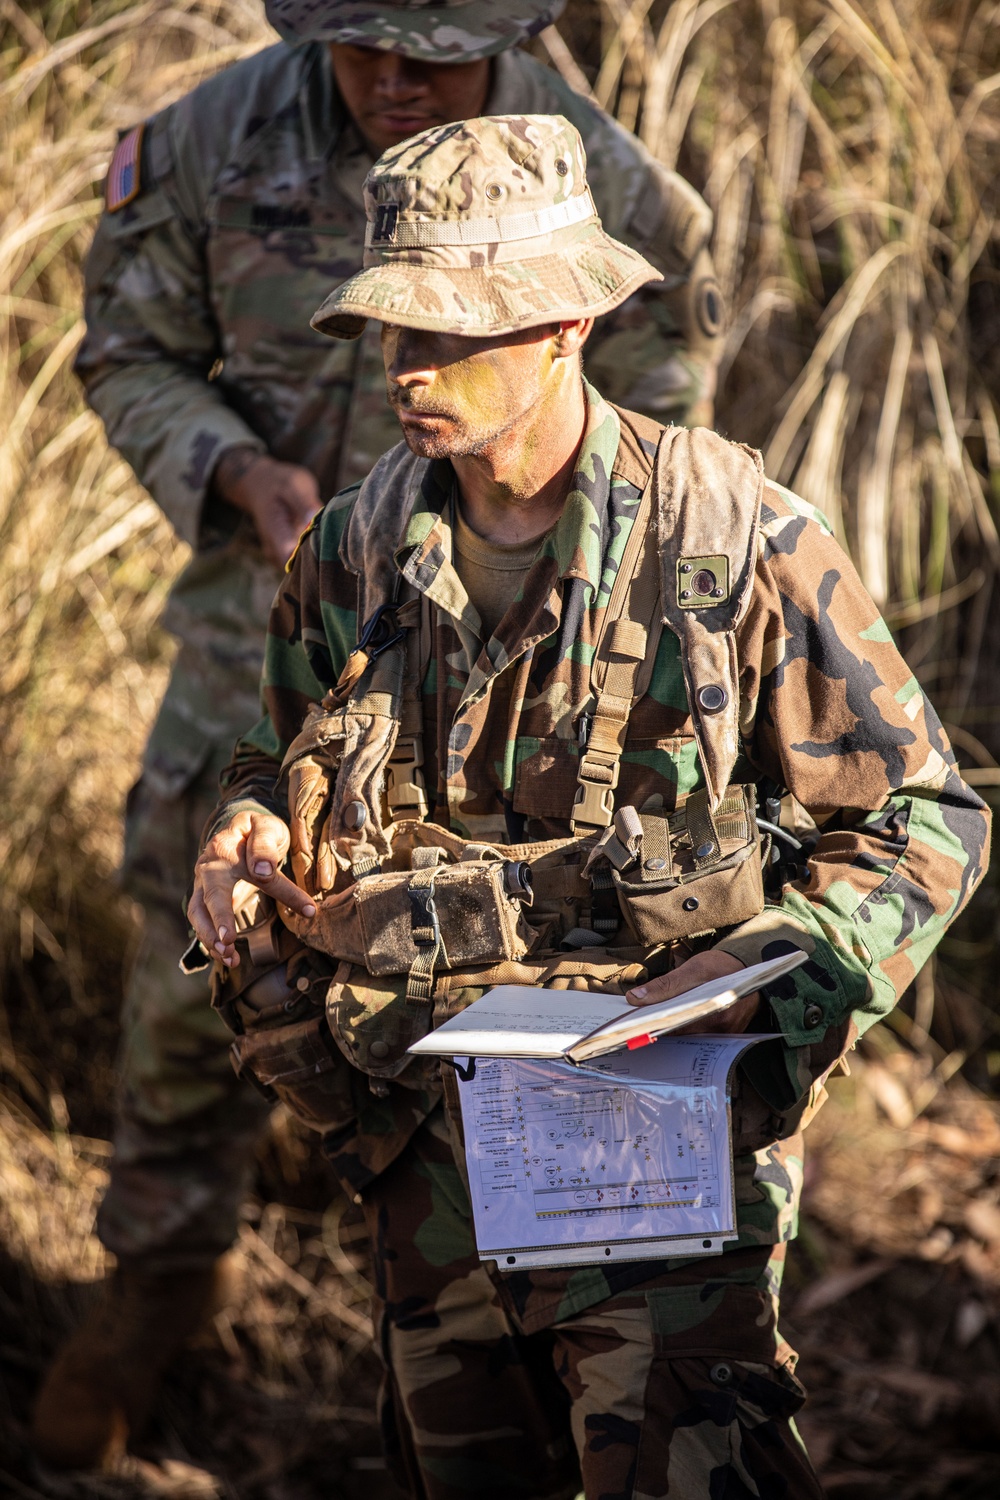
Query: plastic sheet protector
[(626, 1158)]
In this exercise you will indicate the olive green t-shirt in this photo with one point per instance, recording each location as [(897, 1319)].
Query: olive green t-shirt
[(491, 572)]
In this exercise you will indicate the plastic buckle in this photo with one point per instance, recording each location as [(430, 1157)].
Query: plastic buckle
[(377, 634), (404, 782), (595, 801)]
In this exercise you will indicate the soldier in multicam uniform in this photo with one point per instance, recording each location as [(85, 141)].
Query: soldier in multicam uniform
[(227, 215), (467, 670)]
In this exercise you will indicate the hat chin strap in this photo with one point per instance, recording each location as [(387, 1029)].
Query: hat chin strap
[(420, 234)]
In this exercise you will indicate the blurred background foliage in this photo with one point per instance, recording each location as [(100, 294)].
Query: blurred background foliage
[(849, 149)]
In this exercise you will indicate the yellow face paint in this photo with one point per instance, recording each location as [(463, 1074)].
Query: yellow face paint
[(455, 395)]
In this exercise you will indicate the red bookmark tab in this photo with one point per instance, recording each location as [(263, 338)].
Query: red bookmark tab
[(634, 1042)]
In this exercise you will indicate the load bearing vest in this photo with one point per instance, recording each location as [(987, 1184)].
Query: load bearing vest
[(396, 894)]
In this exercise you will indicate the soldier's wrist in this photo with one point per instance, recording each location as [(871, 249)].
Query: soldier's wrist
[(230, 472)]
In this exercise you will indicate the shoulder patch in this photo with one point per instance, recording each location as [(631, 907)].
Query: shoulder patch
[(298, 545), (124, 174)]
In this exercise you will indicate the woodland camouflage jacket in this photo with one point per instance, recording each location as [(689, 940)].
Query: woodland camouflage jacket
[(249, 212), (829, 710)]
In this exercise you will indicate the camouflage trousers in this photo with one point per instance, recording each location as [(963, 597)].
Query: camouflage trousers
[(186, 1126), (680, 1388)]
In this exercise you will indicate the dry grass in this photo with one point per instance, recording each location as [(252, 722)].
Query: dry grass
[(849, 149)]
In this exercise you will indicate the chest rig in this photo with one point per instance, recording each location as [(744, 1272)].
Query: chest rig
[(413, 921)]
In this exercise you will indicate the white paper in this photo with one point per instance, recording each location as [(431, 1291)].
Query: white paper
[(516, 1020), (521, 1020), (627, 1158)]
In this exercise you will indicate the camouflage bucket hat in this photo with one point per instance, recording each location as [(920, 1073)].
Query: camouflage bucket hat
[(483, 227), (435, 30)]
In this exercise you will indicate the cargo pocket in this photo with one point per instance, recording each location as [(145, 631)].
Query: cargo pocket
[(723, 1427), (299, 1065), (719, 1402), (373, 1023)]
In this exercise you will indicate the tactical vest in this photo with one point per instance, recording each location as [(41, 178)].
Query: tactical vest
[(414, 922)]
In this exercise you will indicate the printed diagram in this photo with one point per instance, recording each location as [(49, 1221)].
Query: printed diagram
[(592, 1148)]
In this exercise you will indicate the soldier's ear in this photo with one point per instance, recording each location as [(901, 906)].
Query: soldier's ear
[(572, 335)]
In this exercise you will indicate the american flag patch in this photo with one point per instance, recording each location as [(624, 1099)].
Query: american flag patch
[(123, 174)]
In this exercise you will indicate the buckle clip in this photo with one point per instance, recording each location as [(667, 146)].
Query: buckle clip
[(404, 781), (380, 632), (595, 799)]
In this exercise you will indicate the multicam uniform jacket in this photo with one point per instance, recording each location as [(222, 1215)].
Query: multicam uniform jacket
[(199, 293), (829, 710)]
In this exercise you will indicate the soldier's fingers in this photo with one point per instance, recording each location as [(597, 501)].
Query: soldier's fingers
[(280, 888), (266, 846), (699, 969), (662, 988), (216, 886), (207, 929)]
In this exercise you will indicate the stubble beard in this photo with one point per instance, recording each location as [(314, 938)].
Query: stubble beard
[(464, 440)]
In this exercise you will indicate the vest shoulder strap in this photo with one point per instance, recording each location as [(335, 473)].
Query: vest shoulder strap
[(702, 495), (708, 499)]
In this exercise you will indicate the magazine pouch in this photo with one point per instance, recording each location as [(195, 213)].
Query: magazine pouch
[(687, 873)]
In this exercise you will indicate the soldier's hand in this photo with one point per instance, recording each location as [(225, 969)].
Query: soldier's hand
[(699, 969), (251, 848), (281, 499)]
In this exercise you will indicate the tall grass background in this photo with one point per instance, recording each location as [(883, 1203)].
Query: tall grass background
[(849, 149)]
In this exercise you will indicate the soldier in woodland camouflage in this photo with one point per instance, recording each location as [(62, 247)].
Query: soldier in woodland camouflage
[(229, 216), (485, 265)]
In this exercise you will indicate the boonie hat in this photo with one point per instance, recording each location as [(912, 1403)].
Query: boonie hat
[(436, 30), (483, 227)]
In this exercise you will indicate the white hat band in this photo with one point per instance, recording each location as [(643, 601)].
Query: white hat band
[(419, 234)]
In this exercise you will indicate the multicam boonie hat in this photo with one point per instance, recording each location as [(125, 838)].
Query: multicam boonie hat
[(483, 227), (436, 30)]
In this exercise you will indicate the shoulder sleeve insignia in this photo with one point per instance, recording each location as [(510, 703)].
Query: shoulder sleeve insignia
[(123, 183), (298, 545)]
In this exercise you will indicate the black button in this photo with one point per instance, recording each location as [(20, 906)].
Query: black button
[(721, 1374), (379, 1049), (703, 582), (355, 815), (690, 904), (712, 698), (812, 1016)]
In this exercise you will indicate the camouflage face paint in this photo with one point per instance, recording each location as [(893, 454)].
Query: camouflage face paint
[(455, 396)]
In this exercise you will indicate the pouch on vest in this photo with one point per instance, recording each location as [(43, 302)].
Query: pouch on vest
[(275, 1001), (686, 873), (442, 903)]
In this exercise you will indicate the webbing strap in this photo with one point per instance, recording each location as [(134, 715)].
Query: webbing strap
[(426, 933), (628, 637), (701, 829), (405, 787)]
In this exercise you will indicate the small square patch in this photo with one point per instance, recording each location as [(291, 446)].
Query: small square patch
[(702, 582), (386, 219), (123, 182)]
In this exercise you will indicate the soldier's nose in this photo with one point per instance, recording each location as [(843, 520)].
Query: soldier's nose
[(408, 360), (399, 78)]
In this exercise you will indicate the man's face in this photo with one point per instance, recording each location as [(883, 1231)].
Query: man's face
[(456, 396), (391, 97)]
